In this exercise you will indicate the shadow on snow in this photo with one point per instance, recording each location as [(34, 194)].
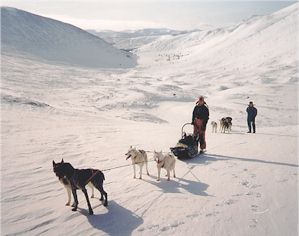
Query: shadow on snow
[(116, 221), (209, 158)]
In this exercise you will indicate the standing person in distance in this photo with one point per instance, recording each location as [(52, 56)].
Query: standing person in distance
[(200, 119), (251, 114)]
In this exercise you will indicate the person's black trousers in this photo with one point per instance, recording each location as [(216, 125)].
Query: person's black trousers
[(251, 123)]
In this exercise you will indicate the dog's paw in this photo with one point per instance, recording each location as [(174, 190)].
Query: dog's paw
[(67, 204), (92, 196), (158, 179), (74, 209), (90, 212), (73, 205), (105, 203)]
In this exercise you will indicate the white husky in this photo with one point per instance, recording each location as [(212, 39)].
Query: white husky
[(165, 161), (214, 126), (138, 157)]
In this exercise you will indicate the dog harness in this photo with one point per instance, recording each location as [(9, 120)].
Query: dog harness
[(93, 174), (162, 164), (74, 178)]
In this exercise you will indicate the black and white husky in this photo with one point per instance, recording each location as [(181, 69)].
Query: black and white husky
[(78, 179), (66, 183)]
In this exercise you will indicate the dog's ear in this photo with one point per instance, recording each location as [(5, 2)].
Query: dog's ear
[(62, 160), (54, 163)]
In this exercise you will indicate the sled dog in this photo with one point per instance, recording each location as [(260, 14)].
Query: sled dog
[(229, 121), (66, 183), (225, 124), (214, 127), (78, 179), (165, 161), (138, 157)]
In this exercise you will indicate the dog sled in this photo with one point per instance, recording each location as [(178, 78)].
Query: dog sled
[(187, 146)]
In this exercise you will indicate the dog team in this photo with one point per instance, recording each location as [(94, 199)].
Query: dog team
[(225, 125), (73, 179)]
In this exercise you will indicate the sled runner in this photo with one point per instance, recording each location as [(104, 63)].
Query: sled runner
[(187, 147)]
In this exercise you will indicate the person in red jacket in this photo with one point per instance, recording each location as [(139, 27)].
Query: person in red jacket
[(200, 119)]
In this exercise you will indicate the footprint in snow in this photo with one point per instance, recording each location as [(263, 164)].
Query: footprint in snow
[(227, 202), (212, 214), (250, 193), (254, 208), (282, 180), (165, 228), (235, 176), (245, 183), (253, 223), (153, 226), (255, 186), (230, 202), (176, 224), (253, 175), (237, 195), (173, 225), (192, 215)]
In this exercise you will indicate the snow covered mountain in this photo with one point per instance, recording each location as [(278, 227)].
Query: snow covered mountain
[(52, 40), (133, 39), (254, 43)]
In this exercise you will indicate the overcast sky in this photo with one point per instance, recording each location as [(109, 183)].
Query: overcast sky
[(136, 14)]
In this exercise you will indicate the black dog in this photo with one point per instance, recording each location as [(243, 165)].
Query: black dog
[(226, 124), (78, 179)]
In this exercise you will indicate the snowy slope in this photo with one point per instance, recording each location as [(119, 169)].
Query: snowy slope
[(133, 39), (234, 46), (23, 32), (246, 184)]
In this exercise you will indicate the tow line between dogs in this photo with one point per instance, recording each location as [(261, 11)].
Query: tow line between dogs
[(117, 167)]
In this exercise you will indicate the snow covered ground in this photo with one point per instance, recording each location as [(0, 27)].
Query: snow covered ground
[(246, 184)]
